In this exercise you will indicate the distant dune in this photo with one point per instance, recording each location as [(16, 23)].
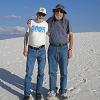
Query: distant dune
[(9, 36), (83, 69)]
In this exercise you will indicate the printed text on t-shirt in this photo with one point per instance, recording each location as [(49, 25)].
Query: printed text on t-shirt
[(38, 28)]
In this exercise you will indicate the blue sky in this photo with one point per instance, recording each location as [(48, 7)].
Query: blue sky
[(84, 15)]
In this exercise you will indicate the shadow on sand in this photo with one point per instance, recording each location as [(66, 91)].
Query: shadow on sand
[(8, 77)]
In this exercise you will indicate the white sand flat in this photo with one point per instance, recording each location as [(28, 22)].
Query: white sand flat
[(83, 69)]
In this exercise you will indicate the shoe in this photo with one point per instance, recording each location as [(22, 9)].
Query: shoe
[(64, 95), (38, 96), (26, 98), (51, 94)]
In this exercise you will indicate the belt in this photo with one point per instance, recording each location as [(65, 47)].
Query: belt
[(58, 45), (36, 48)]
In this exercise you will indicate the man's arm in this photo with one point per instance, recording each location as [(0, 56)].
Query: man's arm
[(26, 39), (70, 41), (70, 45)]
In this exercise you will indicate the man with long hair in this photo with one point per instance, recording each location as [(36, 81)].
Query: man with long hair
[(59, 51)]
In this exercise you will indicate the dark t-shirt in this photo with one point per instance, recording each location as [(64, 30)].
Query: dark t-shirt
[(58, 31)]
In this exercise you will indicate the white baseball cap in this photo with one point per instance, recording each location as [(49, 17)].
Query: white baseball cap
[(42, 10)]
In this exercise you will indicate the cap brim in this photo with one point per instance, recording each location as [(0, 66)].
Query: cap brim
[(41, 12)]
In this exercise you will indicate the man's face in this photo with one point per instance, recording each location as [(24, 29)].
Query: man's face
[(41, 15), (59, 13)]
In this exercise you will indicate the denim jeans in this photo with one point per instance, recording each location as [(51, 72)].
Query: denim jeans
[(40, 55), (58, 56)]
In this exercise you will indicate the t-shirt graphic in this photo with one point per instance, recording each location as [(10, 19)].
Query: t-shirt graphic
[(38, 28)]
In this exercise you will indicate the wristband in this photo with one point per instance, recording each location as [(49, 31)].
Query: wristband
[(70, 49)]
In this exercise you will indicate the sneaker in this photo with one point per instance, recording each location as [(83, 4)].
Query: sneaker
[(38, 96), (64, 95), (51, 94), (26, 98)]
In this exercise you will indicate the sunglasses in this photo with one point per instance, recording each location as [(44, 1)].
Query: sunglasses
[(59, 10), (41, 14)]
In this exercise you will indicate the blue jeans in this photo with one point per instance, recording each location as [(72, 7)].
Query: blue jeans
[(40, 55), (58, 56)]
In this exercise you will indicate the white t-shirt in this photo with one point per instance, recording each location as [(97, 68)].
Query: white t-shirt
[(37, 33)]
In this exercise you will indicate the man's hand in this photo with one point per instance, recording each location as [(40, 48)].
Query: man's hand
[(25, 51), (69, 54), (29, 21)]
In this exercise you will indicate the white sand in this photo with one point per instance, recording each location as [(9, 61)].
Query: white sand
[(83, 69)]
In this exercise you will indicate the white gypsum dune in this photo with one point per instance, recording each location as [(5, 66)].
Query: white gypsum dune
[(83, 69)]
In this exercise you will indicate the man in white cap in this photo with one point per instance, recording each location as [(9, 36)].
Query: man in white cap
[(34, 48)]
